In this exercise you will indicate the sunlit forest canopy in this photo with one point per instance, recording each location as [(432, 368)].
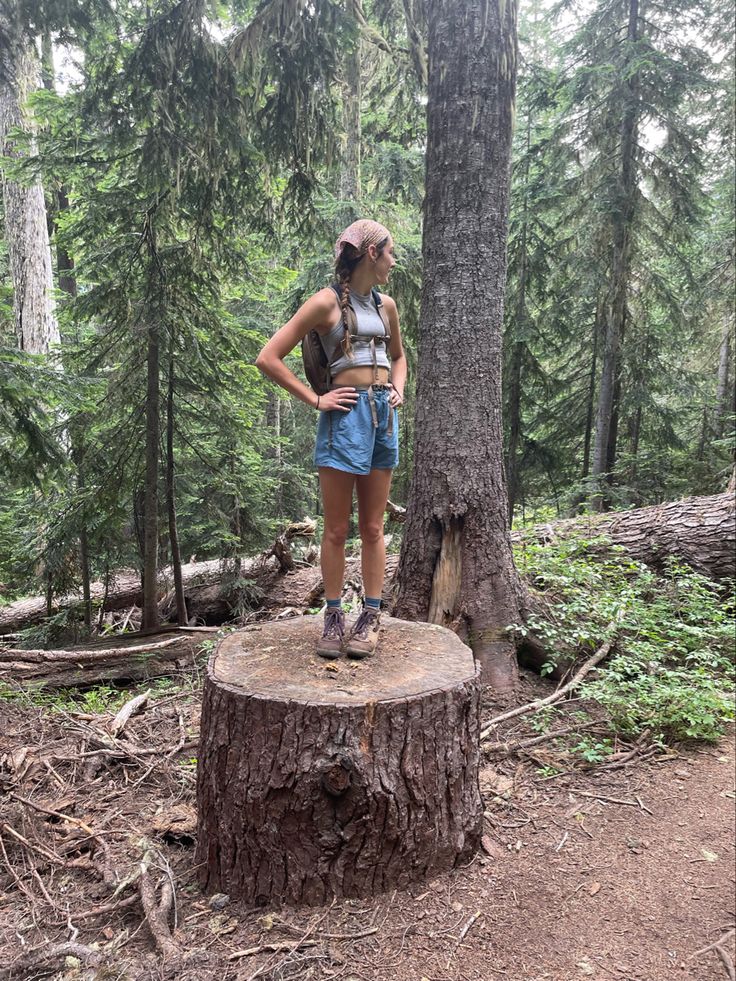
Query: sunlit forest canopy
[(192, 163)]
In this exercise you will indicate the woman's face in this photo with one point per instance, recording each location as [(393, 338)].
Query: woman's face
[(385, 262)]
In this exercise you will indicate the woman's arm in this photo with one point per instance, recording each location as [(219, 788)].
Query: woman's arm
[(312, 315), (396, 350)]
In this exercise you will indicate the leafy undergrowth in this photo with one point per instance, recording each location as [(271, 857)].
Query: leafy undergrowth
[(671, 670)]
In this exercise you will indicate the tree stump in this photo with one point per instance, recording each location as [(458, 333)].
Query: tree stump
[(320, 779)]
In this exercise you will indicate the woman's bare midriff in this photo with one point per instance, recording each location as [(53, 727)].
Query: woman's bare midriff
[(363, 375)]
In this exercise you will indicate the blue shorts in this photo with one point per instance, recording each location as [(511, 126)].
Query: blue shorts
[(350, 441)]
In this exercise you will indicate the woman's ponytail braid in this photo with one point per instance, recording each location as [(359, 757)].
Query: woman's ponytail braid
[(344, 266)]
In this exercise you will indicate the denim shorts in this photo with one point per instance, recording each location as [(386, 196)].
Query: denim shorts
[(351, 442)]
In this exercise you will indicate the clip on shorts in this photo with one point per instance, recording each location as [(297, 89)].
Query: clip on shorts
[(365, 438)]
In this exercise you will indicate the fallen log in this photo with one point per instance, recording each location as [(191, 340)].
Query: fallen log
[(87, 666), (124, 588), (700, 531)]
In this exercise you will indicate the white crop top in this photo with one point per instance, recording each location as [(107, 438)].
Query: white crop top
[(369, 322)]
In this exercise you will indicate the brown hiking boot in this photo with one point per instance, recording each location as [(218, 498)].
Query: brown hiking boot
[(363, 638), (330, 643)]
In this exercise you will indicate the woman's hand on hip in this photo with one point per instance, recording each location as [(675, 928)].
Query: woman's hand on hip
[(395, 398), (339, 398)]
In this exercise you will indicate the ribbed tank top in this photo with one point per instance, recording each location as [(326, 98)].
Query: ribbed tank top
[(369, 322)]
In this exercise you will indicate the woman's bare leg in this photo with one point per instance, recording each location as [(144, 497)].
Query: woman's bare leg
[(337, 499), (373, 491)]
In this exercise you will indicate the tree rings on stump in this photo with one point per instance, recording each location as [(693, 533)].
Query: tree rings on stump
[(336, 778)]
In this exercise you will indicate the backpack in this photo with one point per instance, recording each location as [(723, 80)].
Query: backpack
[(317, 368)]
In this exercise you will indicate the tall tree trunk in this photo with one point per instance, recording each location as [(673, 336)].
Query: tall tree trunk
[(724, 364), (597, 327), (68, 284), (456, 563), (273, 421), (26, 230), (150, 506), (181, 605), (351, 97), (612, 448), (621, 218)]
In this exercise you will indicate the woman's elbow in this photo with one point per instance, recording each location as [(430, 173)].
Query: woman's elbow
[(263, 362)]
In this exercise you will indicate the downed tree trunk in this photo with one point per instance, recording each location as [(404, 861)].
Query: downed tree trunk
[(121, 660), (125, 588), (700, 531), (318, 779)]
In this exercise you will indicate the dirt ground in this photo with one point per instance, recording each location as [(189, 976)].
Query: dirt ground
[(620, 870)]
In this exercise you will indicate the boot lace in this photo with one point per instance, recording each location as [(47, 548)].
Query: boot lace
[(364, 622), (334, 624)]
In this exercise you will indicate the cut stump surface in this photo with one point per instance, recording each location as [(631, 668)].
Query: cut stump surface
[(319, 779)]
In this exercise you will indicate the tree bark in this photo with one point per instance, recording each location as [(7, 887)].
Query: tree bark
[(150, 507), (591, 389), (722, 386), (181, 605), (517, 351), (700, 531), (26, 227), (312, 785), (130, 659), (458, 490)]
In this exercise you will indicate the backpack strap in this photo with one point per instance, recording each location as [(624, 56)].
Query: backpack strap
[(351, 328)]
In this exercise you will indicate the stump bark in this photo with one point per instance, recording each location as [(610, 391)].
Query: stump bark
[(321, 779)]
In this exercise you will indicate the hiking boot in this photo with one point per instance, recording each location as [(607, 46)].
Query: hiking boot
[(330, 643), (363, 637)]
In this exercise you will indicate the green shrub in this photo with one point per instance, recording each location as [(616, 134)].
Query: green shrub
[(671, 670)]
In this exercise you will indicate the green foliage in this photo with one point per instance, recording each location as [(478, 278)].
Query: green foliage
[(672, 667)]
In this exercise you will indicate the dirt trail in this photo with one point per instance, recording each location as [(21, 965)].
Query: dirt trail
[(621, 873)]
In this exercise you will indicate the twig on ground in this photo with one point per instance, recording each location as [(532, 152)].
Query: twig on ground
[(130, 708), (48, 956), (107, 908), (602, 653), (276, 947), (157, 912), (611, 800), (52, 813), (506, 749), (44, 852), (718, 947)]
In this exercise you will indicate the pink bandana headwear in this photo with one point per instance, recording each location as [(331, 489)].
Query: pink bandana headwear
[(361, 234)]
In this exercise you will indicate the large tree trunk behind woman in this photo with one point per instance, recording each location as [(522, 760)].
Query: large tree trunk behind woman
[(456, 564), (26, 230)]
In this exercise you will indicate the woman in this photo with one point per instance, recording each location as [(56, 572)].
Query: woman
[(357, 434)]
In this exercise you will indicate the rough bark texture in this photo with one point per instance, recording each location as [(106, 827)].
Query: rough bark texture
[(700, 531), (722, 407), (26, 229), (458, 484), (314, 783), (150, 508), (181, 605)]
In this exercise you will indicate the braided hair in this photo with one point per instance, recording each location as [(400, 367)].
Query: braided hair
[(347, 260)]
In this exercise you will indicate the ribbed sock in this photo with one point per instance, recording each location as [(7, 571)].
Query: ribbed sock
[(334, 604), (372, 602)]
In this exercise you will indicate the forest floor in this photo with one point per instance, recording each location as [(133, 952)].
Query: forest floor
[(623, 869)]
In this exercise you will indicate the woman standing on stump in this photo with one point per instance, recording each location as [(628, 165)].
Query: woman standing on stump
[(357, 435)]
